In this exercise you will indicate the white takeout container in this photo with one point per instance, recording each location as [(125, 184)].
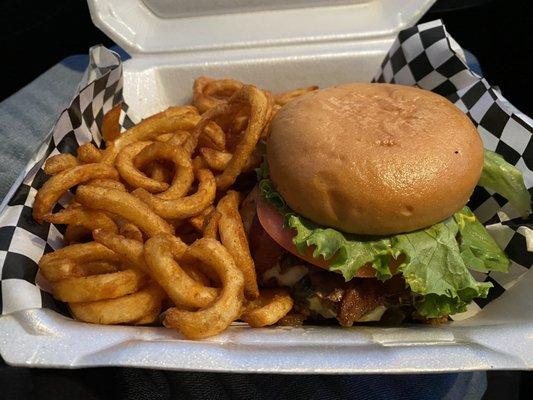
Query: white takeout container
[(285, 45)]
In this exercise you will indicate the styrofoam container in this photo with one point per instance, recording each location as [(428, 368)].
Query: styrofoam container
[(303, 43)]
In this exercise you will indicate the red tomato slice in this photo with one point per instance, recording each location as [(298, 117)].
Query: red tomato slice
[(272, 222)]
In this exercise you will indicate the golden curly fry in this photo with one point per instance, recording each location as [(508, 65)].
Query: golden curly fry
[(87, 153), (227, 307), (183, 290), (107, 183), (268, 308), (130, 231), (212, 137), (177, 137), (64, 263), (171, 120), (110, 124), (197, 222), (133, 308), (219, 160), (76, 234), (160, 172), (184, 207), (59, 184), (131, 174), (129, 250), (259, 104), (63, 268), (124, 205), (208, 92), (95, 268), (183, 173), (234, 239), (88, 219), (98, 287), (210, 228), (60, 162), (283, 98)]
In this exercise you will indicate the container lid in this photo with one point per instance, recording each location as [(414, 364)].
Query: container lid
[(184, 26)]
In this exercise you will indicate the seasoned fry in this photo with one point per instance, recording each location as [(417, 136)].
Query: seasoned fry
[(183, 175), (57, 185), (195, 272), (128, 249), (184, 207), (159, 172), (127, 309), (183, 290), (76, 234), (89, 219), (98, 287), (233, 238), (95, 268), (216, 317), (59, 163), (219, 160), (268, 308), (260, 106), (88, 153), (107, 183), (124, 205), (171, 120), (283, 98), (208, 93), (179, 137), (131, 174), (149, 318), (266, 129), (143, 226), (110, 124), (130, 231), (210, 229), (199, 163), (212, 137), (197, 222), (64, 262)]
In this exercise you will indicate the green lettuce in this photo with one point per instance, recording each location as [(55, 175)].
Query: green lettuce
[(435, 268), (436, 260), (347, 253), (503, 178), (478, 249)]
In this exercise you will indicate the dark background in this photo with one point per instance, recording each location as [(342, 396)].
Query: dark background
[(35, 35)]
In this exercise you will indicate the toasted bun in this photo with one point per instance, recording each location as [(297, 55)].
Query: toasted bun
[(374, 159)]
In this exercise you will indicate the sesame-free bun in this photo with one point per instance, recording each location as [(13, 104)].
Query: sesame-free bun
[(372, 158)]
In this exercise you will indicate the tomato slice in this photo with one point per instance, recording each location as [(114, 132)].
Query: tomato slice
[(272, 222)]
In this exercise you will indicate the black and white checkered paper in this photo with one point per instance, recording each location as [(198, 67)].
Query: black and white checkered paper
[(424, 55)]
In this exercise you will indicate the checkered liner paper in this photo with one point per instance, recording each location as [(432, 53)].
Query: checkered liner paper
[(424, 55)]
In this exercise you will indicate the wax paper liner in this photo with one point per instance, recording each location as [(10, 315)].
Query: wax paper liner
[(424, 55)]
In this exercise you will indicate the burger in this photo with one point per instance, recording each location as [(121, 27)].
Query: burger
[(362, 206)]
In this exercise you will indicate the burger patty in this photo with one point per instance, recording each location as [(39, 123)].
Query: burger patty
[(318, 293)]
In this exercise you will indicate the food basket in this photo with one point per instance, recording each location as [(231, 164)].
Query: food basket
[(283, 45)]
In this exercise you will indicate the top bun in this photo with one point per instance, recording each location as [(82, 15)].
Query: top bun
[(371, 158)]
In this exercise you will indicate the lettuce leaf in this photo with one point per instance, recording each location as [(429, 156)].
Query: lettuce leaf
[(436, 263), (478, 249), (346, 252), (503, 178), (435, 269)]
